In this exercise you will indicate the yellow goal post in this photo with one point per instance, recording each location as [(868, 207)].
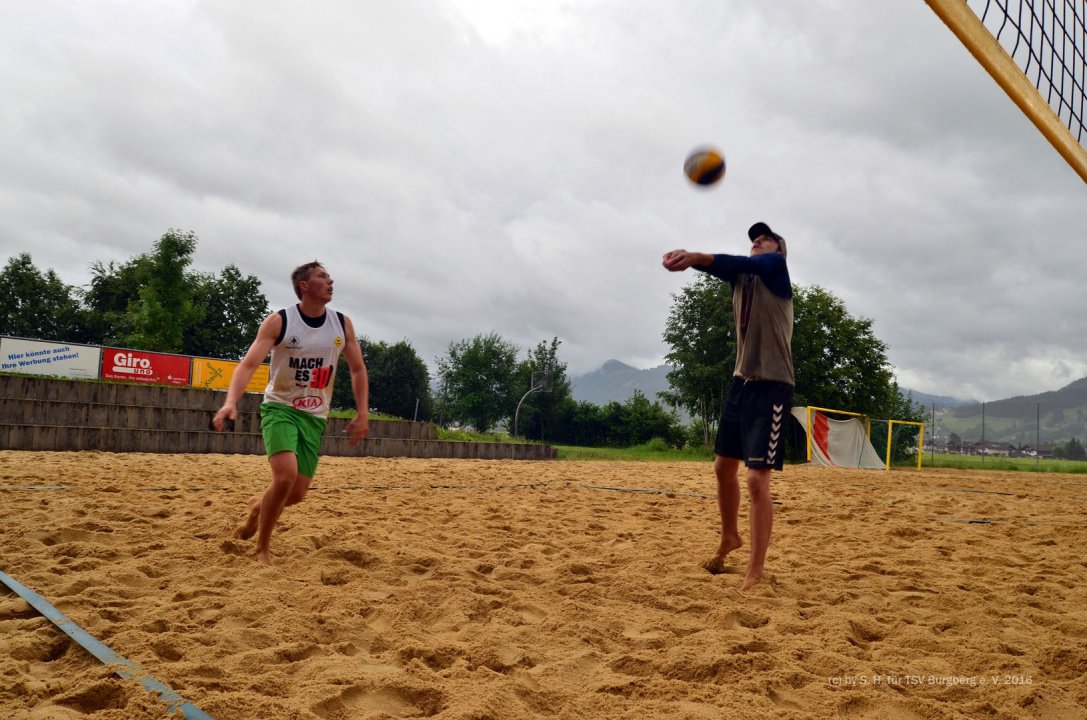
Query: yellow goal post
[(920, 439)]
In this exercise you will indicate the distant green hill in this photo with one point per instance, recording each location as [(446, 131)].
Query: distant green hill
[(1054, 416)]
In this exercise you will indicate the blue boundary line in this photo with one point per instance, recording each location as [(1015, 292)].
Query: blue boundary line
[(121, 666)]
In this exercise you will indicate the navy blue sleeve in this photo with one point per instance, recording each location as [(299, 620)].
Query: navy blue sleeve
[(770, 268)]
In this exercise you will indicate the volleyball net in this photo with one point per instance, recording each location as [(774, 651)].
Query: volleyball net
[(1035, 50)]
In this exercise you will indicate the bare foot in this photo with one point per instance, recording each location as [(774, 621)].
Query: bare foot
[(263, 556), (248, 527), (751, 580), (716, 564)]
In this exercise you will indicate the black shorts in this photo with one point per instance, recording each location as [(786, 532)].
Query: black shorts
[(752, 422)]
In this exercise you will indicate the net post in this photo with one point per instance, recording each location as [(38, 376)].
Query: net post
[(920, 445), (808, 435), (890, 436)]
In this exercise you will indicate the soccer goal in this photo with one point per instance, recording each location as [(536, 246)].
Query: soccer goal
[(1036, 52), (839, 438)]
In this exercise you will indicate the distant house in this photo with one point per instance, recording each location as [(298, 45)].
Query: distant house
[(994, 449), (1044, 451)]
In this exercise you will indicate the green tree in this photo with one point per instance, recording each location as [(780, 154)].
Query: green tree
[(638, 421), (37, 305), (839, 361), (541, 411), (701, 331), (477, 381), (164, 308), (1073, 450), (398, 380), (228, 309), (113, 288), (580, 423), (153, 302)]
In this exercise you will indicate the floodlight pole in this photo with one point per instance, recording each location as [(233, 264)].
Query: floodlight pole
[(517, 413)]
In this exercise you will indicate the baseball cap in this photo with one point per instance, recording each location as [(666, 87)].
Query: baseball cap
[(761, 228)]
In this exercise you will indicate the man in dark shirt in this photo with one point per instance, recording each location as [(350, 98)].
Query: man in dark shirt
[(761, 394)]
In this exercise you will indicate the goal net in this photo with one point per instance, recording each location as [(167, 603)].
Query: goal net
[(839, 442), (1035, 50), (839, 438)]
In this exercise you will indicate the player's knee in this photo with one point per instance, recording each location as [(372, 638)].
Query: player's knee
[(725, 468), (758, 484), (282, 483)]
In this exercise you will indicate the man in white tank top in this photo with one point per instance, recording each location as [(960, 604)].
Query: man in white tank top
[(305, 341)]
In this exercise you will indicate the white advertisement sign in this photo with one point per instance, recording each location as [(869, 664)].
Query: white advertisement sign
[(36, 357)]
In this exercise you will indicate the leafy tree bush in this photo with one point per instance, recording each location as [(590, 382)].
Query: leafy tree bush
[(616, 424), (540, 413), (581, 423), (231, 308), (1071, 450), (152, 302), (163, 307), (398, 379), (37, 305), (701, 332), (477, 381)]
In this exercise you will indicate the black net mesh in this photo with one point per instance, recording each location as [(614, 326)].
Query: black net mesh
[(1048, 41)]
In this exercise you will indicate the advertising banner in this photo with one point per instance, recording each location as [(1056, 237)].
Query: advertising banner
[(145, 367), (37, 357), (215, 375)]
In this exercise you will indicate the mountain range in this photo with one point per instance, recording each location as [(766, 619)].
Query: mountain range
[(940, 401), (1053, 416), (616, 381)]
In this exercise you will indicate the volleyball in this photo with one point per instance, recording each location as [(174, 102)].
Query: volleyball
[(705, 166)]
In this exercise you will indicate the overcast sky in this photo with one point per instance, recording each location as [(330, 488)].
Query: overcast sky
[(477, 166)]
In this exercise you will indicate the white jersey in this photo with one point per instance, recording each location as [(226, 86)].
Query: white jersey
[(303, 365)]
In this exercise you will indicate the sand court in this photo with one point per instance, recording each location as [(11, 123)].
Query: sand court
[(505, 589)]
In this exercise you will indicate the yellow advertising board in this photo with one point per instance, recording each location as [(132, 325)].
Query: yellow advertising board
[(215, 375)]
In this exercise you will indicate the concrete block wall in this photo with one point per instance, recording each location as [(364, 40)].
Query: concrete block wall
[(55, 414)]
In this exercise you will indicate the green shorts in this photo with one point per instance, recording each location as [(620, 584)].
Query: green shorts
[(288, 430)]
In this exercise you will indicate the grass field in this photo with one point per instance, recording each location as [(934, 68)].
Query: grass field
[(980, 462)]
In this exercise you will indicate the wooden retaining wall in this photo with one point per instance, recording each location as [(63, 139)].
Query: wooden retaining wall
[(53, 414)]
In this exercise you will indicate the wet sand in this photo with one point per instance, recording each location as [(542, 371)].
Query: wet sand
[(501, 589)]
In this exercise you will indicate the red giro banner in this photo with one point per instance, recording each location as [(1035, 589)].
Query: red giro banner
[(145, 367)]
